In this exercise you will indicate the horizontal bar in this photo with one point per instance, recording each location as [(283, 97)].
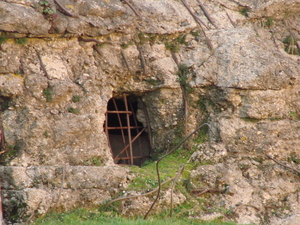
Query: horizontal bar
[(129, 112), (134, 157), (122, 128)]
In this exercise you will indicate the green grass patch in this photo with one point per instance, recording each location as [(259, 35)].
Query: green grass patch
[(87, 217)]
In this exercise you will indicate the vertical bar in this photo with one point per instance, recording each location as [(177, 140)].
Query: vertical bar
[(107, 134), (137, 129), (1, 212), (120, 122), (129, 131)]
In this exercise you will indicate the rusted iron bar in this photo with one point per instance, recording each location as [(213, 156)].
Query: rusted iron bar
[(134, 157), (127, 146), (136, 125), (106, 131), (122, 128), (129, 131), (1, 210), (129, 112), (120, 122)]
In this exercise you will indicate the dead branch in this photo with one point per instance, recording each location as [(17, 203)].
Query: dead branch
[(143, 61), (231, 21), (90, 40), (165, 155), (141, 195), (125, 59), (196, 18), (172, 188), (132, 8), (207, 14), (64, 10), (61, 187), (281, 164), (198, 21)]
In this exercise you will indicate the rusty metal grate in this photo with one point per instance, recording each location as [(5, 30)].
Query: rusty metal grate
[(128, 139)]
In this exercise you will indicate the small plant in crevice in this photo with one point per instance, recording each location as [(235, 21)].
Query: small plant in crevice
[(46, 9), (73, 110), (269, 21), (21, 41), (182, 73), (174, 45), (76, 98), (48, 94), (244, 10), (290, 43), (3, 38)]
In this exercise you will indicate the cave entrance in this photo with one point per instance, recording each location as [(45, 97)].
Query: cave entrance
[(129, 140)]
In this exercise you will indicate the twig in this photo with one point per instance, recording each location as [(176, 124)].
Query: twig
[(231, 21), (62, 186), (125, 59), (173, 185), (90, 40), (165, 155), (196, 18), (132, 8), (199, 23), (97, 49), (141, 195), (207, 14), (64, 10), (143, 62), (281, 164)]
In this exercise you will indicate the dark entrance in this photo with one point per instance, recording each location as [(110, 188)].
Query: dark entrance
[(128, 139)]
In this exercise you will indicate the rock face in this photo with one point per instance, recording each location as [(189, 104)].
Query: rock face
[(60, 64)]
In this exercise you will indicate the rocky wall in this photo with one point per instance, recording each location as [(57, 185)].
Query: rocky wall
[(60, 63)]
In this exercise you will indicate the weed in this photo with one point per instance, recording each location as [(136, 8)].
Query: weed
[(46, 134), (183, 77), (46, 9), (153, 81), (96, 161), (126, 45), (174, 45), (48, 94), (142, 38), (290, 42), (244, 10), (76, 98), (3, 38), (293, 158), (21, 41), (294, 115), (73, 110), (195, 32), (269, 21), (248, 119)]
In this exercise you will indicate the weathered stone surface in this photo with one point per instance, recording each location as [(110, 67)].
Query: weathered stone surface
[(246, 88)]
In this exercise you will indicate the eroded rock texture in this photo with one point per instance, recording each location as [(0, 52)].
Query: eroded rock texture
[(61, 63)]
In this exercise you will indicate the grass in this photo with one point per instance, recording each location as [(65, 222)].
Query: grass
[(95, 217)]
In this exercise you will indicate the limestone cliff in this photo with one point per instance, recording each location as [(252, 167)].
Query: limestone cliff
[(234, 65)]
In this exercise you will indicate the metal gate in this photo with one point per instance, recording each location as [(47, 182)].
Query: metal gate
[(128, 140)]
